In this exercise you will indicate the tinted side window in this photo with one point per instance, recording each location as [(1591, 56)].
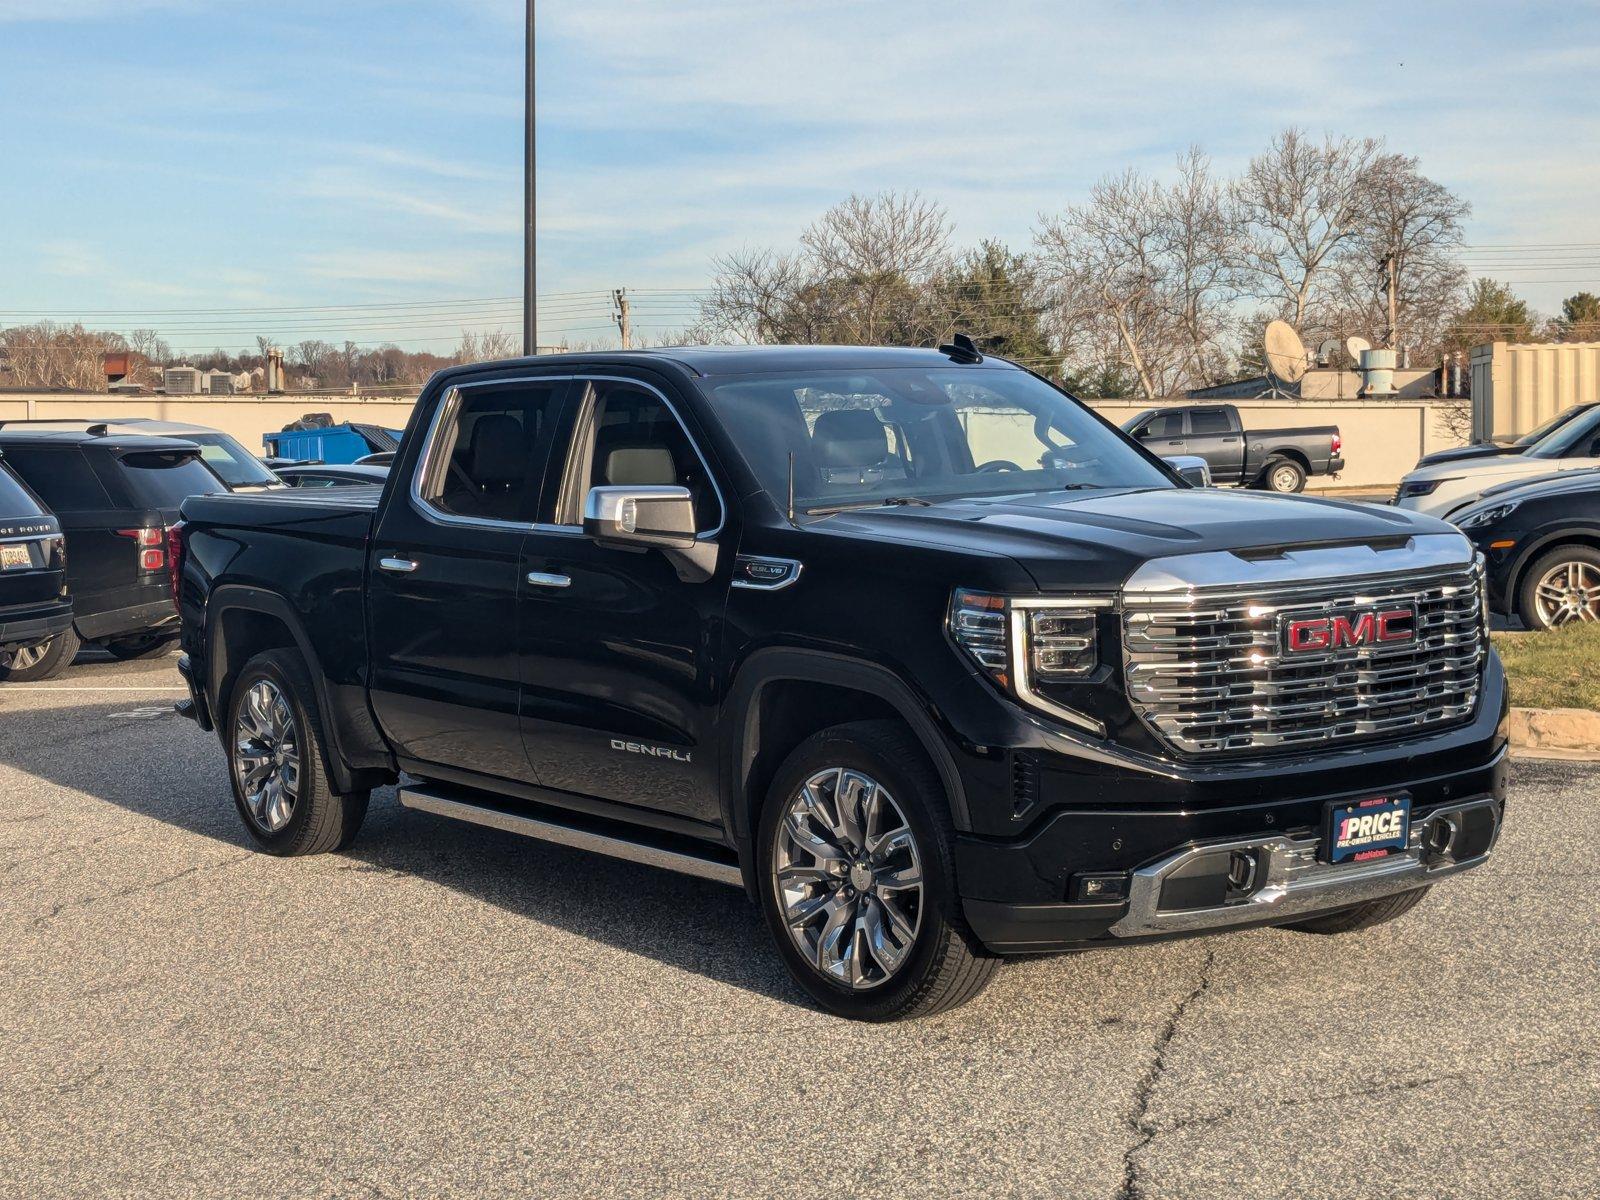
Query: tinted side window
[(629, 435), (15, 499), (1208, 420), (1168, 425), (487, 458), (61, 477)]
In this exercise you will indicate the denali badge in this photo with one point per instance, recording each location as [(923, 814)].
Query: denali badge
[(653, 751), (1358, 627)]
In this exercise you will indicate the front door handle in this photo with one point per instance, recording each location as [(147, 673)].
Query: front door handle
[(404, 565), (546, 579)]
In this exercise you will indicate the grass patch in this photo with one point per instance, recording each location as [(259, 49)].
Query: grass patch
[(1559, 668)]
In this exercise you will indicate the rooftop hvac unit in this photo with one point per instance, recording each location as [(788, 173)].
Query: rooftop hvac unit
[(181, 381), (219, 383)]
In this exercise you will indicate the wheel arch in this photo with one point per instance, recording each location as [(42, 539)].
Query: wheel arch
[(856, 691), (242, 621)]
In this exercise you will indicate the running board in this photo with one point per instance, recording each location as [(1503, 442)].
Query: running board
[(630, 846)]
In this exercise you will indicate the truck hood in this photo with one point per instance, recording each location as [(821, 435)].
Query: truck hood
[(1095, 540)]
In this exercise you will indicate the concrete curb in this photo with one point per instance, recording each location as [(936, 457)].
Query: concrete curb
[(1559, 732)]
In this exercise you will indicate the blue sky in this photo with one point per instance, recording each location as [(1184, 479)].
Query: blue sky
[(239, 155)]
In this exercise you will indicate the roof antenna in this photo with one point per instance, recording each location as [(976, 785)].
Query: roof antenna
[(962, 349), (791, 487)]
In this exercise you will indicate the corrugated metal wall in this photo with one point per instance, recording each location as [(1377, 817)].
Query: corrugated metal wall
[(1518, 386)]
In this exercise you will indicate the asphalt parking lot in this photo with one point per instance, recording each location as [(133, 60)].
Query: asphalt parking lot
[(450, 1010)]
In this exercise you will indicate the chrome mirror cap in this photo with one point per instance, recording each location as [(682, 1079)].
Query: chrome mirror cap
[(640, 515), (1190, 468)]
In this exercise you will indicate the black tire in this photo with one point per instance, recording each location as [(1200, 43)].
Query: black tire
[(1282, 475), (58, 654), (1527, 589), (148, 645), (945, 966), (1362, 916), (321, 819)]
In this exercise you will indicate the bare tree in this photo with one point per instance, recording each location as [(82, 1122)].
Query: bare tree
[(487, 345), (47, 355), (1400, 272), (1108, 262), (1200, 240), (867, 271), (1297, 205)]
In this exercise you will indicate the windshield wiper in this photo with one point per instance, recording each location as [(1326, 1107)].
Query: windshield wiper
[(886, 502)]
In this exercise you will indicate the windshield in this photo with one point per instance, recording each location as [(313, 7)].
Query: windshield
[(236, 465), (1572, 437), (909, 434)]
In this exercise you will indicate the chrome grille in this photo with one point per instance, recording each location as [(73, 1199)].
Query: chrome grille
[(1206, 672)]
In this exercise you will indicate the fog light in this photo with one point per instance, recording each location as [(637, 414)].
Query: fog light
[(1099, 887)]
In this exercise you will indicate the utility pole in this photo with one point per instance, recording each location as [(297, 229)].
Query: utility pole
[(620, 296), (530, 292)]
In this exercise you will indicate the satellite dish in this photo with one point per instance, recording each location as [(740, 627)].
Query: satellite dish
[(1326, 350), (1353, 346), (1285, 352)]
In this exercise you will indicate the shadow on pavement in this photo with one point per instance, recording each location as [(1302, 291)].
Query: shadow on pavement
[(137, 755)]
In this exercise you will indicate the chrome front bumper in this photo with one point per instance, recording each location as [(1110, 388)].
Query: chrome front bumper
[(1288, 880)]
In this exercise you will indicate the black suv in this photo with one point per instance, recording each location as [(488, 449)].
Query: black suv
[(115, 496), (932, 659), (34, 606)]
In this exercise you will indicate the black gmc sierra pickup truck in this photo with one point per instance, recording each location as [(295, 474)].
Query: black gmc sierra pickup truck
[(935, 662)]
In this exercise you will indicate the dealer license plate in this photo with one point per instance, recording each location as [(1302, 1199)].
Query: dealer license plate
[(1357, 830), (15, 557)]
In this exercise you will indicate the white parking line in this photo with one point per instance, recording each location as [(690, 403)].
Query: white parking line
[(39, 687)]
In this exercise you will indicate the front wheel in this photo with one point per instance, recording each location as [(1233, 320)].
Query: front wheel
[(44, 660), (278, 761), (858, 884), (1561, 588)]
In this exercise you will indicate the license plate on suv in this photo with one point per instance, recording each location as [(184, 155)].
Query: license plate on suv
[(15, 557), (1356, 830)]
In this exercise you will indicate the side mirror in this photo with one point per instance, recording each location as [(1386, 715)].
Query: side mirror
[(1190, 468), (644, 517)]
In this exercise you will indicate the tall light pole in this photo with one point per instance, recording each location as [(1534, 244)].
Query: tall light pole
[(530, 322)]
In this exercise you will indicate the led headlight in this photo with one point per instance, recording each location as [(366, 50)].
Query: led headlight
[(1419, 487), (1477, 518), (1023, 641)]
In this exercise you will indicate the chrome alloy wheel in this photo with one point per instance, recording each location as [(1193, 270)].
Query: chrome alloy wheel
[(1569, 591), (24, 657), (266, 756), (849, 878)]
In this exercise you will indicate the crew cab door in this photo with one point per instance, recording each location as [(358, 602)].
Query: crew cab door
[(1215, 436), (444, 579), (1162, 433), (617, 649)]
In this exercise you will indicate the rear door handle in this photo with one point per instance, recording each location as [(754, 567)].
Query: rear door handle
[(546, 579), (404, 565)]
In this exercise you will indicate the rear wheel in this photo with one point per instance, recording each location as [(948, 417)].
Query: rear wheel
[(1283, 475), (1362, 916), (277, 759), (149, 645), (1560, 588), (45, 660), (858, 886)]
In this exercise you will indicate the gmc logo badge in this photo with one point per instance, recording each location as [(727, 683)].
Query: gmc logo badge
[(1364, 627)]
